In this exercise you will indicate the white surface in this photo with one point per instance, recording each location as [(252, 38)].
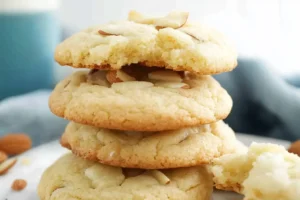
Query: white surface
[(28, 5), (40, 158)]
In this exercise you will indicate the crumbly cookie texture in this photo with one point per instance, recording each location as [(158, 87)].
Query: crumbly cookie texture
[(266, 172), (74, 178), (168, 42), (151, 150), (140, 105)]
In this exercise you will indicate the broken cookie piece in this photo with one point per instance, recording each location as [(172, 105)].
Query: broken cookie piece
[(265, 172)]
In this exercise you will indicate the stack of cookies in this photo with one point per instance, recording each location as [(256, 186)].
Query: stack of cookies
[(146, 116)]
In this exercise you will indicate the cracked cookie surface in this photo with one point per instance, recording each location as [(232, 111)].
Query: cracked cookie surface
[(151, 150), (189, 47), (140, 105), (74, 178)]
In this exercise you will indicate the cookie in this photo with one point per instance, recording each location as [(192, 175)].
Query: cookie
[(169, 42), (140, 105), (74, 178), (151, 150), (266, 171)]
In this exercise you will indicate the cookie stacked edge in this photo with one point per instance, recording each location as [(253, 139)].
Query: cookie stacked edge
[(148, 103)]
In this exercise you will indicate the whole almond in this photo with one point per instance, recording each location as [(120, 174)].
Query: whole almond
[(295, 148), (13, 144), (3, 156), (19, 184)]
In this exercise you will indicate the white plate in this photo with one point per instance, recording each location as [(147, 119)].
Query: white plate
[(31, 165)]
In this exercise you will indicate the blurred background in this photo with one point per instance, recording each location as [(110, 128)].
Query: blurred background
[(263, 87)]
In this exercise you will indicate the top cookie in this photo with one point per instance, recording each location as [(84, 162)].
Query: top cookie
[(168, 42)]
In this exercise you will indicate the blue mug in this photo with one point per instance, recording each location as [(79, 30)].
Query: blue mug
[(29, 32)]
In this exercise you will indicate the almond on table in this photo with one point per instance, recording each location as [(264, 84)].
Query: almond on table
[(18, 184), (15, 143)]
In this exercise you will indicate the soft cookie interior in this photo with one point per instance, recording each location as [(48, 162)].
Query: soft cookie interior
[(266, 172)]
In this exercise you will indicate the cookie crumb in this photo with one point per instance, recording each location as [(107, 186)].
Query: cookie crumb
[(25, 161), (18, 184)]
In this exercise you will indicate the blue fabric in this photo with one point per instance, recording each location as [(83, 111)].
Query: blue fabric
[(30, 114), (264, 104)]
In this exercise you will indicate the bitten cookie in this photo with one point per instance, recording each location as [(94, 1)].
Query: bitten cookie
[(74, 178), (169, 42), (151, 150), (265, 172), (148, 105)]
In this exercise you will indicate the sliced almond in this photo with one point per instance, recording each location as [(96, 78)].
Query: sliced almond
[(111, 76), (174, 85), (160, 177), (192, 34), (19, 184), (97, 77), (165, 75), (116, 29), (106, 33), (124, 76), (140, 18), (118, 76), (3, 156), (174, 19), (131, 85), (6, 165)]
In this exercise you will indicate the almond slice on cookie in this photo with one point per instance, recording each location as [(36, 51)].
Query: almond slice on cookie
[(174, 85), (174, 19), (165, 75), (118, 76)]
